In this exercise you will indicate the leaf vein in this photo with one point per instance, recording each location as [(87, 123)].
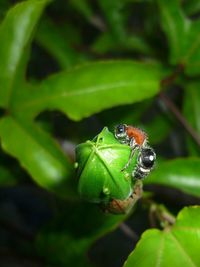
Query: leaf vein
[(182, 250)]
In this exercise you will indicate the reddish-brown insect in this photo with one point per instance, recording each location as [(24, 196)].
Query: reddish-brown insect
[(136, 139), (130, 135)]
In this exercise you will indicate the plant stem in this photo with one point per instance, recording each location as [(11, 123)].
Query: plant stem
[(170, 105), (128, 231)]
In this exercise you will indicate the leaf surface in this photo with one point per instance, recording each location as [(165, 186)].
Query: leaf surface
[(37, 153), (175, 247), (181, 173), (90, 88), (182, 34), (191, 109), (16, 32)]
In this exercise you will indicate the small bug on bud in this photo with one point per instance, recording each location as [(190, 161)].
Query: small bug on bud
[(99, 164), (137, 139)]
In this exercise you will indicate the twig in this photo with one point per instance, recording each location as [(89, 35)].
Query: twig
[(170, 105), (128, 231), (172, 77), (168, 217)]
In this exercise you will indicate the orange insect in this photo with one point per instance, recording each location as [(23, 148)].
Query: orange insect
[(136, 139), (127, 134)]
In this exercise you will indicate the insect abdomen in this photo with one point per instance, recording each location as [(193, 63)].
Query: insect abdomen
[(137, 134)]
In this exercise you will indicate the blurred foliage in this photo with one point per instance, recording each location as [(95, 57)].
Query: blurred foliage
[(67, 69)]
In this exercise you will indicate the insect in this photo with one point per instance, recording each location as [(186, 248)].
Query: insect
[(130, 135), (145, 163), (137, 140), (99, 165)]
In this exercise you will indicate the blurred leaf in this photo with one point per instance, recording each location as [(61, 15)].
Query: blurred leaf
[(83, 7), (183, 36), (175, 26), (191, 7), (191, 112), (38, 154), (59, 46), (181, 173), (67, 240), (4, 6), (116, 19), (158, 128), (176, 246), (128, 114), (6, 178), (105, 43), (91, 88), (16, 33)]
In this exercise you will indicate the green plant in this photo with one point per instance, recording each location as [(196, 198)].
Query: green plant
[(151, 80)]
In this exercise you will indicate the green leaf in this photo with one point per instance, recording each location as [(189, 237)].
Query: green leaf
[(6, 178), (116, 17), (66, 241), (182, 174), (16, 32), (175, 27), (38, 154), (91, 88), (127, 114), (191, 7), (51, 38), (83, 7), (183, 36), (176, 246), (191, 112), (158, 128), (106, 43)]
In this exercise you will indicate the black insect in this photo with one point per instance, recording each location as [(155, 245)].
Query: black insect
[(145, 163)]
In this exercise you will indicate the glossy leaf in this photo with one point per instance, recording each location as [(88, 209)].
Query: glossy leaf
[(175, 246), (16, 32), (191, 112), (182, 34), (72, 240), (91, 88), (38, 154), (182, 174)]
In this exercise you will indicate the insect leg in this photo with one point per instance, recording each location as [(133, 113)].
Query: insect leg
[(133, 148)]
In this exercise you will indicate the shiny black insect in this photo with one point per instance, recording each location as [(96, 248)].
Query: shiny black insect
[(145, 163)]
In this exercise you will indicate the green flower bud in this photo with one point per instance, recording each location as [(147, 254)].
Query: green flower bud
[(100, 164)]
